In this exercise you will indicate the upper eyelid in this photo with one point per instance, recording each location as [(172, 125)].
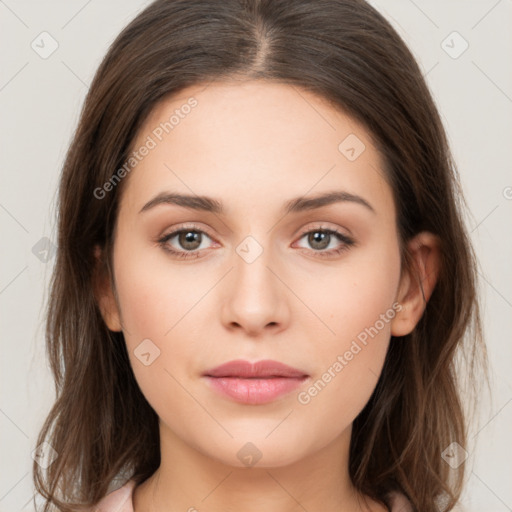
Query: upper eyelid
[(300, 234), (186, 227), (193, 227)]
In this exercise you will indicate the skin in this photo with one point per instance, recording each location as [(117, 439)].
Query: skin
[(254, 145)]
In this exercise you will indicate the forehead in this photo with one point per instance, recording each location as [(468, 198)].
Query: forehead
[(270, 112), (253, 141)]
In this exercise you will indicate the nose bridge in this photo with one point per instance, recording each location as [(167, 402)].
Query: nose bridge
[(256, 296), (252, 274)]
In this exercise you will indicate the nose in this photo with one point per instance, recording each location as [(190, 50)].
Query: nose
[(255, 299)]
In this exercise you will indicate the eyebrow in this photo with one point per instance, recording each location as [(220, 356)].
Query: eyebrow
[(299, 204)]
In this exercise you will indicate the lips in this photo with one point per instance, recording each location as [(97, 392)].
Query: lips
[(261, 369), (253, 384)]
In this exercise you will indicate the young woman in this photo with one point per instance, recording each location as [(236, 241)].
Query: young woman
[(263, 279)]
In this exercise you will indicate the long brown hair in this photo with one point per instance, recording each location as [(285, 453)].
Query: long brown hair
[(101, 426)]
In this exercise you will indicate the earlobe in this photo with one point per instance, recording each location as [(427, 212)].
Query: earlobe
[(104, 294), (418, 282)]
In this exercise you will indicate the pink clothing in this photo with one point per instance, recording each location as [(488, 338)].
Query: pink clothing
[(120, 500)]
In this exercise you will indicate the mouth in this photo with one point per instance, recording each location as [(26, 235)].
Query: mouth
[(254, 384)]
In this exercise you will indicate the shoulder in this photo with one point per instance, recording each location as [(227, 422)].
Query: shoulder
[(119, 500)]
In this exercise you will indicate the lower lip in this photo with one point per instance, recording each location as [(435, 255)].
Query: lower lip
[(255, 391)]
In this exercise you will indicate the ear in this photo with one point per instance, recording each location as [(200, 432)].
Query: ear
[(104, 294), (417, 283)]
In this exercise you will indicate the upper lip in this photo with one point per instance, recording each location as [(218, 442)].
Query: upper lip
[(261, 369)]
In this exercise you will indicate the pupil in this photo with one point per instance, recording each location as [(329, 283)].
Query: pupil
[(321, 238), (190, 238)]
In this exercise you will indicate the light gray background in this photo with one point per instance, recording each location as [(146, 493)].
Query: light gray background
[(40, 101)]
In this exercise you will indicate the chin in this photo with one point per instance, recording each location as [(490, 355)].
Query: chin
[(259, 452)]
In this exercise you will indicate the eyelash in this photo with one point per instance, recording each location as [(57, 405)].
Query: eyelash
[(346, 241)]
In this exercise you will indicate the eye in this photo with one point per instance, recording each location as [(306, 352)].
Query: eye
[(320, 239), (187, 244)]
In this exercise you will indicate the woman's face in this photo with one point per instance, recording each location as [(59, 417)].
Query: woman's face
[(262, 276)]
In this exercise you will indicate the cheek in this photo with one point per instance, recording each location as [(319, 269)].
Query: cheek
[(156, 302), (172, 306), (157, 308), (351, 297), (155, 295), (360, 306), (367, 307)]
